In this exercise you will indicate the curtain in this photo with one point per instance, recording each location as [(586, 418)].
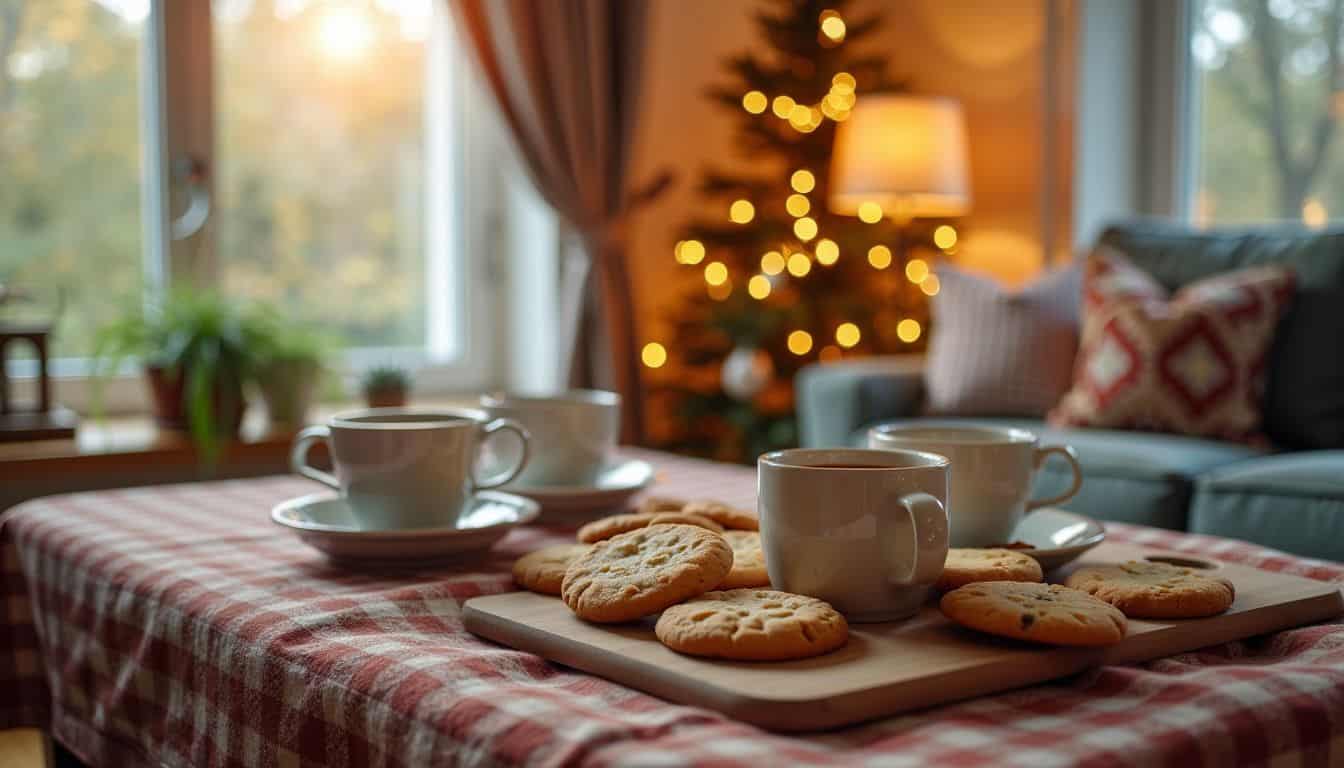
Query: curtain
[(566, 74)]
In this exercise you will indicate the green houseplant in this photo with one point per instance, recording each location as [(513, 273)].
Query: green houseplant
[(194, 349), (287, 362), (386, 387)]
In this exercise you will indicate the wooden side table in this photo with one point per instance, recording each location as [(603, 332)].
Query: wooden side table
[(47, 421)]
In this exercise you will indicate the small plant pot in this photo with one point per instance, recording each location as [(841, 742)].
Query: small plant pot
[(169, 391), (393, 398), (287, 388)]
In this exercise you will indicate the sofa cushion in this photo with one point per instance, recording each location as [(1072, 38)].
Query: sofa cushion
[(1133, 477), (1292, 501), (1304, 405)]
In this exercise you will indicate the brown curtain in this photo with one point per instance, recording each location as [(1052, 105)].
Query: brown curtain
[(566, 75)]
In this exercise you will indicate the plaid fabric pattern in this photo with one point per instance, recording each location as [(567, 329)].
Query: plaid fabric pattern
[(176, 626)]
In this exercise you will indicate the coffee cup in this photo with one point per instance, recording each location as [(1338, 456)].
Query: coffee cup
[(864, 530), (574, 433), (992, 472), (400, 468)]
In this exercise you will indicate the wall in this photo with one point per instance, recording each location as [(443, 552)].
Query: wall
[(990, 55)]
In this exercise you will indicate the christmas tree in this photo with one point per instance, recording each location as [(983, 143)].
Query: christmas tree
[(785, 281)]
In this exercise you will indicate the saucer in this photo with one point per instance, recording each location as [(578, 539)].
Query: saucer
[(326, 523), (1058, 536), (614, 487)]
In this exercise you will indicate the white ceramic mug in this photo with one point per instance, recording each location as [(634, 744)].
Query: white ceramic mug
[(992, 472), (864, 530), (574, 433), (401, 468)]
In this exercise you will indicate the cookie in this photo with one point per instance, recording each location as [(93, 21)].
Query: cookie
[(752, 625), (1041, 613), (644, 571), (607, 527), (1146, 590), (748, 561), (967, 566), (725, 515), (543, 570), (656, 504)]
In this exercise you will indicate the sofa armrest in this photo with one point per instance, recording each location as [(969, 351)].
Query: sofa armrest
[(835, 399)]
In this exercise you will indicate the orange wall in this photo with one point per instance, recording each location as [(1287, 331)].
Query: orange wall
[(990, 55)]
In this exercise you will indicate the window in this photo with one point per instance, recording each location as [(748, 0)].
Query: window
[(1269, 92), (335, 138)]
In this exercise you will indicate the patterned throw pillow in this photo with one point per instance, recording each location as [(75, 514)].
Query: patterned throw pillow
[(1193, 363), (994, 353)]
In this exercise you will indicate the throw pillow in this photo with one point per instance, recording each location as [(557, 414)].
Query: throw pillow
[(996, 353), (1192, 363)]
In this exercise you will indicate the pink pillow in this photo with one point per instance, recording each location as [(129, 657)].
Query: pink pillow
[(1192, 363), (999, 353)]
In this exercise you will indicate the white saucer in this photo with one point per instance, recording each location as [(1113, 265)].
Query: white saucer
[(614, 487), (1058, 536), (326, 523)]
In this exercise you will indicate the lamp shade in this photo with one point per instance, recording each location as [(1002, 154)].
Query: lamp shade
[(905, 153)]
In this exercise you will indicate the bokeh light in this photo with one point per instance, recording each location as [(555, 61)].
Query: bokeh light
[(772, 263), (690, 252), (805, 228), (758, 287), (832, 26), (802, 181), (755, 102), (782, 106), (799, 264), (741, 211), (654, 355), (800, 342), (879, 256), (870, 212), (931, 285), (945, 237), (797, 205), (847, 335), (843, 82), (916, 270), (908, 330), (716, 273), (827, 251)]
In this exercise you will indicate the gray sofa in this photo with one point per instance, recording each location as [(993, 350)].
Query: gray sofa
[(1289, 497)]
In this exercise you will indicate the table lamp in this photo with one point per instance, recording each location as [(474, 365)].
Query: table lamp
[(906, 154)]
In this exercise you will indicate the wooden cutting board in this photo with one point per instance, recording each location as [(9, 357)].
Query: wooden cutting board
[(885, 668)]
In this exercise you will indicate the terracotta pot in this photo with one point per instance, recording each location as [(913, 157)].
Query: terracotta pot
[(169, 391), (390, 398)]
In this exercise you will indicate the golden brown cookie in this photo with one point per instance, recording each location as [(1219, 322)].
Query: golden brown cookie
[(656, 504), (607, 527), (1042, 613), (748, 561), (543, 570), (644, 571), (725, 515), (967, 566), (752, 625), (1146, 590)]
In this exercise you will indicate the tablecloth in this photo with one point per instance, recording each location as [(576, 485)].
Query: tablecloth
[(177, 626)]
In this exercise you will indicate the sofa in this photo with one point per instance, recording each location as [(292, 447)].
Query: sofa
[(1288, 495)]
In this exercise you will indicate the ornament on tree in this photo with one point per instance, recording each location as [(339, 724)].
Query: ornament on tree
[(746, 371)]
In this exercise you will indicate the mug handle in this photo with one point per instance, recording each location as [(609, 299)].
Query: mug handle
[(928, 521), (298, 455), (505, 476), (1072, 457)]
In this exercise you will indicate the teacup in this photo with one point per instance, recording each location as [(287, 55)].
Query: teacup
[(400, 468), (992, 472), (574, 433), (863, 530)]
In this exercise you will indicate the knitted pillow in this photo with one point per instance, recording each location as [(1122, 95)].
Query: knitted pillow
[(1192, 363), (995, 353)]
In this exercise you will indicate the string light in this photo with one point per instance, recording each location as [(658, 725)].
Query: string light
[(832, 26), (879, 256), (755, 102), (847, 335), (800, 343), (827, 252), (870, 212), (799, 264), (758, 287), (813, 118), (799, 116), (654, 355), (782, 106), (805, 228), (930, 286), (690, 252), (916, 270), (908, 330), (843, 82), (945, 237), (716, 273), (797, 205), (802, 181), (772, 263), (741, 211)]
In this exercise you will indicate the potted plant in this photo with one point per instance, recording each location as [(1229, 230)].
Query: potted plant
[(386, 387), (194, 350), (286, 365)]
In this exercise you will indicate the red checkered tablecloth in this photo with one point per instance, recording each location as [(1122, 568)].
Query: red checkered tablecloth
[(176, 626)]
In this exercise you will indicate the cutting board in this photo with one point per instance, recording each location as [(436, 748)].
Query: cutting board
[(891, 667)]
